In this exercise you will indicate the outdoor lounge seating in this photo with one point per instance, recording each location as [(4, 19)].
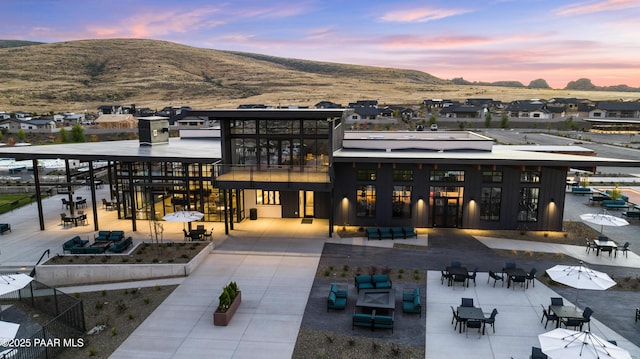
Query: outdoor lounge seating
[(4, 227), (581, 190), (614, 203), (376, 281), (385, 233), (121, 246), (409, 232), (362, 320), (103, 236), (340, 290), (397, 232), (411, 301), (335, 302), (631, 214), (75, 242), (382, 321), (372, 233)]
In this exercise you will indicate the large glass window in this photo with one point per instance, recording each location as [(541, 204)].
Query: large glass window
[(530, 177), (366, 203), (447, 176), (403, 175), (401, 202), (528, 204), (492, 176), (366, 175), (267, 197), (490, 202)]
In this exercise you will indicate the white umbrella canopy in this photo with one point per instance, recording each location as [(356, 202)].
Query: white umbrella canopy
[(564, 343), (184, 216), (603, 219), (8, 330), (13, 282), (580, 277)]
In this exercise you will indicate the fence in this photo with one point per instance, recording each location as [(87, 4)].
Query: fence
[(66, 326)]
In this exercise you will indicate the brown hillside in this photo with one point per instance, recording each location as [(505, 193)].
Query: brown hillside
[(81, 75)]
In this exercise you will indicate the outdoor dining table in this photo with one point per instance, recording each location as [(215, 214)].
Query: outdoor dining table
[(77, 218), (565, 311), (513, 272), (470, 313), (605, 245)]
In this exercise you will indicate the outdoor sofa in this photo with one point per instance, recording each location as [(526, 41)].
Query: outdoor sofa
[(614, 203), (376, 281), (581, 190), (372, 321), (75, 242), (121, 245), (4, 227)]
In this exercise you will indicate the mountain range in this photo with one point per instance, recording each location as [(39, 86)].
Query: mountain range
[(81, 75)]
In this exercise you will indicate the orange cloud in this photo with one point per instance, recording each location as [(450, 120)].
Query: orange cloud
[(607, 5), (421, 14)]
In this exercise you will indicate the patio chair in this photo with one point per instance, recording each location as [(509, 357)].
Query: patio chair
[(467, 302), (472, 277), (62, 217), (557, 301), (495, 277), (550, 317), (591, 246), (107, 204), (444, 275), (186, 235), (455, 318), (624, 249), (531, 277), (536, 353), (586, 317), (575, 323), (473, 324), (457, 278), (491, 319), (519, 279)]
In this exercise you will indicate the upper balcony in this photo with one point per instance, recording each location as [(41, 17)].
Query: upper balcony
[(274, 176)]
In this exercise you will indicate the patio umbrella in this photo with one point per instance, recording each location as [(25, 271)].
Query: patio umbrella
[(580, 277), (184, 217), (564, 343), (8, 330), (603, 219), (13, 282)]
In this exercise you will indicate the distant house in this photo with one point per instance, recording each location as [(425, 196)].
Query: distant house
[(22, 115), (615, 110), (116, 121), (364, 103), (463, 111), (364, 113), (528, 109), (73, 118), (438, 103), (16, 124)]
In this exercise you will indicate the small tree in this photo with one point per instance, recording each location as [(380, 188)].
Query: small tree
[(21, 135), (77, 133), (63, 135), (615, 193), (487, 120), (504, 121), (432, 120)]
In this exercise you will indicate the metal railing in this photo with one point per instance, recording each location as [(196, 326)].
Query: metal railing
[(67, 325), (272, 173)]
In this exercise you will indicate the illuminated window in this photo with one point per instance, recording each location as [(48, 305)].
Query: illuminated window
[(447, 176), (492, 176), (267, 197), (366, 201), (530, 177), (401, 204)]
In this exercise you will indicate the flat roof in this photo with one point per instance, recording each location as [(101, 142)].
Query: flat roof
[(271, 113), (177, 150), (496, 156)]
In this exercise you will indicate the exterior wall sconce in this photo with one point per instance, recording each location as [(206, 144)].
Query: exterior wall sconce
[(552, 200)]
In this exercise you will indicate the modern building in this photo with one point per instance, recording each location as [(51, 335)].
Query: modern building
[(302, 163)]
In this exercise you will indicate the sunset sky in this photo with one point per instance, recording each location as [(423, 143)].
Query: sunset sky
[(500, 40)]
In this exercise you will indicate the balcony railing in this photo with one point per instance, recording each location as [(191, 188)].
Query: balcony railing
[(283, 173)]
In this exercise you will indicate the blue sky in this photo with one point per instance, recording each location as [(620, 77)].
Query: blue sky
[(521, 40)]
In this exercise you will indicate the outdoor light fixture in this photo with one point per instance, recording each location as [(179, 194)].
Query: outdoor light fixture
[(552, 200)]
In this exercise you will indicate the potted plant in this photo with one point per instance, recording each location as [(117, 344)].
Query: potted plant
[(229, 301)]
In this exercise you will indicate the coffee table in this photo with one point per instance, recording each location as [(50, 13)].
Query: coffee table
[(377, 298)]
